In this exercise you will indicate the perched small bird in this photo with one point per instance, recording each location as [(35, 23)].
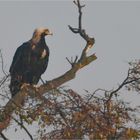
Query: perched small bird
[(30, 61)]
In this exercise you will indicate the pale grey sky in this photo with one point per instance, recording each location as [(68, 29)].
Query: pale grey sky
[(115, 26)]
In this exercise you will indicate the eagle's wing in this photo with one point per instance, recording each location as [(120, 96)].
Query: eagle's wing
[(17, 58)]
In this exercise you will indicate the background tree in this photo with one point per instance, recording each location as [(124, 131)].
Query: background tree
[(97, 115)]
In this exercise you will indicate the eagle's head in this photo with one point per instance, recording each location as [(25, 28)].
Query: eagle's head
[(39, 33), (42, 32)]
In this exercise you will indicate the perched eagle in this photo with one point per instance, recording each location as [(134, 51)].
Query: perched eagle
[(30, 61)]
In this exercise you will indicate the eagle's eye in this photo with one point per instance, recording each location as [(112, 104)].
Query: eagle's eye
[(47, 32)]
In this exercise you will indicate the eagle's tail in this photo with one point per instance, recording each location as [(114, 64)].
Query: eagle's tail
[(15, 85)]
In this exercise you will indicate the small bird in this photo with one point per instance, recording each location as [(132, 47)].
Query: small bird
[(30, 61)]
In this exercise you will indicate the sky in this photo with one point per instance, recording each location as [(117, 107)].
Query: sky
[(115, 25)]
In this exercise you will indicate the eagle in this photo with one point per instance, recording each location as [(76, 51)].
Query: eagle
[(30, 61)]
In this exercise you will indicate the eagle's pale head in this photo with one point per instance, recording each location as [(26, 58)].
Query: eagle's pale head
[(40, 32)]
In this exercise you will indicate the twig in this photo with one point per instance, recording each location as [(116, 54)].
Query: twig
[(3, 80), (2, 67), (125, 82), (3, 136), (92, 95), (21, 124), (90, 40), (42, 80), (2, 63), (72, 62), (69, 61)]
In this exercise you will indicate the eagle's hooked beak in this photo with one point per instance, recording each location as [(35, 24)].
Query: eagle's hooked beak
[(50, 33)]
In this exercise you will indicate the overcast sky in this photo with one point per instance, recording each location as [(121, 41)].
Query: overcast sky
[(115, 26)]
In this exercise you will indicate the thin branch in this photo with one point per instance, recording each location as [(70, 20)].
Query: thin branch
[(76, 58), (3, 136), (2, 63), (80, 12), (72, 62), (124, 83), (92, 95), (2, 67), (4, 80), (90, 40), (69, 61), (80, 15), (42, 80), (22, 126), (74, 30), (79, 30)]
